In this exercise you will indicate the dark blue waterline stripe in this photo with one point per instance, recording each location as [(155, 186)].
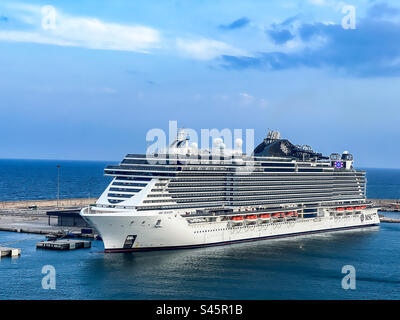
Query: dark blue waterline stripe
[(193, 246)]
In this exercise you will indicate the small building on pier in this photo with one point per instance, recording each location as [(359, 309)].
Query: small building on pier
[(67, 218)]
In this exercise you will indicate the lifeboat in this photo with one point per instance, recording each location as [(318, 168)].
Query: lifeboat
[(291, 214), (359, 208), (277, 215), (264, 216), (349, 208), (340, 211), (237, 218), (251, 217)]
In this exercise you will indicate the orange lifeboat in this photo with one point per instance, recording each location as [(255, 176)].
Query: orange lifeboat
[(339, 209), (237, 218), (358, 208), (265, 216), (251, 217), (349, 208), (276, 214)]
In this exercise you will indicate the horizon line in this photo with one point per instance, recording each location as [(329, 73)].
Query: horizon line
[(49, 159), (92, 160)]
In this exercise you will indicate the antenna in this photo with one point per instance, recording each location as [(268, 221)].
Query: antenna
[(272, 136)]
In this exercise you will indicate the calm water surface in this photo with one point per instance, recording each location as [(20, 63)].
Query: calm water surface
[(307, 267)]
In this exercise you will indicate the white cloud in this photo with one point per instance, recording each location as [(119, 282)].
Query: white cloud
[(206, 49), (84, 32), (95, 34), (245, 98), (36, 26), (32, 37)]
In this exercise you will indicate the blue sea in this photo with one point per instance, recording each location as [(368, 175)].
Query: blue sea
[(38, 179), (306, 267)]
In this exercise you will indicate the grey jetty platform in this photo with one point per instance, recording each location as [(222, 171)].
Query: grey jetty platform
[(64, 244)]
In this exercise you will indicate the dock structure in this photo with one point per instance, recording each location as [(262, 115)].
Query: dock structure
[(64, 244), (387, 205), (67, 218), (47, 204), (388, 220), (9, 252)]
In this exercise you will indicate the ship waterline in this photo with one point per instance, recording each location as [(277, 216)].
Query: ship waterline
[(164, 201)]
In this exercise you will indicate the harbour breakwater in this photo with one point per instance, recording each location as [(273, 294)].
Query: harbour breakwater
[(68, 203), (30, 216), (387, 205)]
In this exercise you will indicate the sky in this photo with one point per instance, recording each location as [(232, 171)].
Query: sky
[(87, 80)]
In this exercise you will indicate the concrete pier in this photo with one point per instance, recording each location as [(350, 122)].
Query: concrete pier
[(382, 218), (65, 244), (9, 252), (33, 204), (387, 205), (31, 216)]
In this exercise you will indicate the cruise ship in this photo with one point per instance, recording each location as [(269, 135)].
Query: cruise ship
[(185, 197)]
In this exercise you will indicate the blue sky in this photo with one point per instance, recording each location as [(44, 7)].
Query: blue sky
[(92, 84)]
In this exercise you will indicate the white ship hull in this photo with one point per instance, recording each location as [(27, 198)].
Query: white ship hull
[(175, 232)]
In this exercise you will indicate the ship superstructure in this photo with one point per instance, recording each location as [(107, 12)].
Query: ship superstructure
[(184, 197)]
